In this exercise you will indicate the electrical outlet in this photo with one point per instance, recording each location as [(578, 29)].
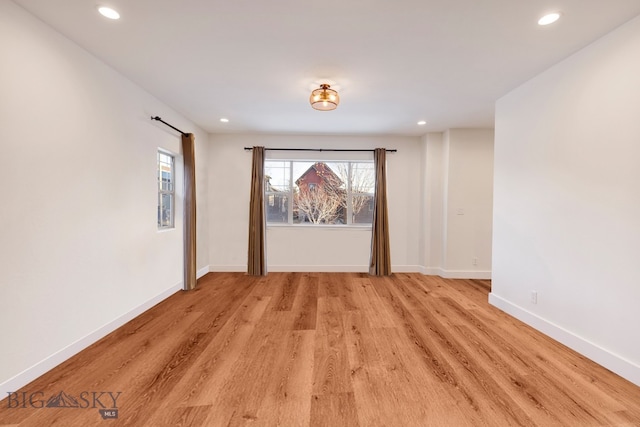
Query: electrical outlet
[(474, 261), (534, 297)]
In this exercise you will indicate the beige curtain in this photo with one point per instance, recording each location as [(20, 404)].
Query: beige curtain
[(380, 264), (257, 260), (188, 152)]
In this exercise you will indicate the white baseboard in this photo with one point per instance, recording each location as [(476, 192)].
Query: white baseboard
[(432, 271), (456, 274), (429, 271), (228, 268), (318, 268), (406, 269), (613, 362), (468, 274), (204, 270), (42, 367)]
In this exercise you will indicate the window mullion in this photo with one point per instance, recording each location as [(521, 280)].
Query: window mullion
[(290, 219), (349, 202)]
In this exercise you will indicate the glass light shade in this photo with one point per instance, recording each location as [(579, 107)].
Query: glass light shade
[(324, 98)]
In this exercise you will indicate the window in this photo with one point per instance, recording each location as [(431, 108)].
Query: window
[(166, 190), (319, 193)]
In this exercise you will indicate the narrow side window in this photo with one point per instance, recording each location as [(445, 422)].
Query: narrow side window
[(166, 190)]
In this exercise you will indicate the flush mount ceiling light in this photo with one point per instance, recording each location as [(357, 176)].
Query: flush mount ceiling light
[(107, 12), (549, 18), (422, 123), (324, 98)]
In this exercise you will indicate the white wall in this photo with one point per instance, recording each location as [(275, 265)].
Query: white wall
[(468, 202), (79, 250), (433, 165), (458, 191), (567, 201), (429, 178), (333, 249)]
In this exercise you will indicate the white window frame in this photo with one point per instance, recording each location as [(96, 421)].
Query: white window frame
[(169, 190), (290, 192)]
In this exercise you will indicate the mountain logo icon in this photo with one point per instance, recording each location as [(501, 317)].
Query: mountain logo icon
[(62, 400)]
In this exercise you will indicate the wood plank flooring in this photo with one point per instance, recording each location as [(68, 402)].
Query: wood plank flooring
[(327, 349)]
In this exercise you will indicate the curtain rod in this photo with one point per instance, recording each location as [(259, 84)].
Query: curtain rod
[(172, 127), (318, 149)]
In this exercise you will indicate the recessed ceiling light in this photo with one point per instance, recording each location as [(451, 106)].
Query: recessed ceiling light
[(107, 12), (549, 19), (422, 123), (224, 120)]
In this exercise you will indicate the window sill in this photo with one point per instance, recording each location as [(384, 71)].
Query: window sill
[(366, 227)]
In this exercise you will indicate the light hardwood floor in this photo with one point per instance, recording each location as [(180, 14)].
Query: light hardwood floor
[(318, 349)]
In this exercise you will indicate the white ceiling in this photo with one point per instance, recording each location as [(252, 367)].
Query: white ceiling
[(395, 62)]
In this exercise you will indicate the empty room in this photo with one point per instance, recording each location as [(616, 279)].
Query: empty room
[(418, 213)]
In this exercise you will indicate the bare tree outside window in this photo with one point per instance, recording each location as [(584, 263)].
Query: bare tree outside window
[(361, 180), (319, 194), (317, 206)]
